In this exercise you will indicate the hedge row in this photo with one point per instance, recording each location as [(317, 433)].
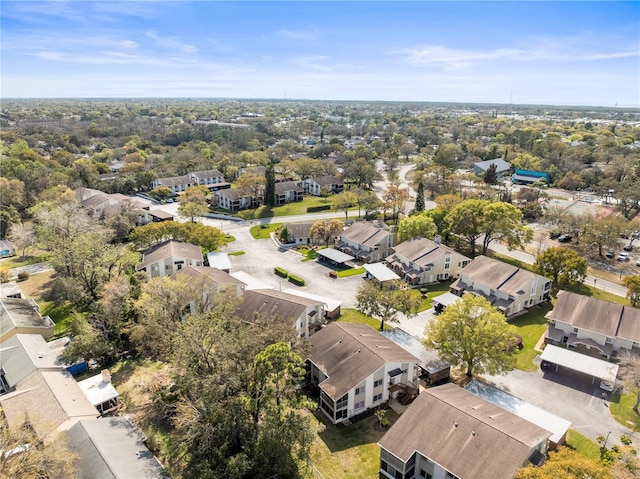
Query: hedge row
[(313, 209), (281, 272), (297, 280)]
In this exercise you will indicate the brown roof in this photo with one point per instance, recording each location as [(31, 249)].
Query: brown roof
[(50, 399), (168, 249), (162, 214), (283, 186), (500, 276), (217, 276), (348, 353), (271, 303), (21, 313), (610, 319), (422, 251), (364, 233), (467, 435)]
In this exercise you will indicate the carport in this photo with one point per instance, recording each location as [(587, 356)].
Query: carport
[(380, 272), (444, 300), (596, 368), (333, 257)]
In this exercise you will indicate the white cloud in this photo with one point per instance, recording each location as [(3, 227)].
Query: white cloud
[(172, 43), (312, 34)]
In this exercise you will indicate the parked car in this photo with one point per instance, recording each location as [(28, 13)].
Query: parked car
[(610, 253), (554, 234), (607, 385), (638, 262), (564, 238), (628, 247), (623, 256)]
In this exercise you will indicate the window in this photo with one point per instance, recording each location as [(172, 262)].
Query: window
[(575, 330), (609, 340), (377, 397), (359, 405), (377, 383), (359, 390), (425, 474)]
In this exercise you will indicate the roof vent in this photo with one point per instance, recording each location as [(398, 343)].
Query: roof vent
[(40, 355), (455, 424), (474, 434)]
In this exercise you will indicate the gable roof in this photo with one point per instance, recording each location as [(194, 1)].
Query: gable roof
[(112, 448), (217, 276), (501, 165), (422, 251), (467, 435), (500, 276), (175, 181), (283, 186), (207, 174), (271, 303), (233, 194), (365, 233), (21, 313), (50, 400), (22, 354), (168, 249), (325, 180), (348, 353), (603, 317), (300, 230)]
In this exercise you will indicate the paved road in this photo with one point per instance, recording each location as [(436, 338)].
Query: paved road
[(31, 269)]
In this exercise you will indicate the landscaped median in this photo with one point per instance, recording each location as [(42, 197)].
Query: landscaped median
[(292, 278)]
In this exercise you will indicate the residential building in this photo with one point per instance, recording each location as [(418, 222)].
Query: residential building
[(527, 177), (502, 167), (101, 393), (216, 276), (169, 257), (356, 368), (22, 316), (104, 206), (206, 177), (177, 184), (593, 326), (313, 186), (112, 448), (306, 314), (300, 234), (288, 192), (422, 261), (231, 199), (366, 241), (508, 288), (451, 433)]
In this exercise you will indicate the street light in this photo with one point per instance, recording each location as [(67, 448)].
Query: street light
[(606, 439)]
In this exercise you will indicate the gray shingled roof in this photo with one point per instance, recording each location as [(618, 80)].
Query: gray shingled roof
[(465, 434), (21, 313), (272, 304), (422, 251), (207, 174), (168, 249), (348, 353), (217, 276), (22, 354), (175, 181), (500, 276), (326, 180), (112, 448), (364, 233), (501, 165), (610, 319), (283, 186)]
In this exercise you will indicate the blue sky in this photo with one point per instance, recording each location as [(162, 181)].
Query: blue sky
[(573, 53)]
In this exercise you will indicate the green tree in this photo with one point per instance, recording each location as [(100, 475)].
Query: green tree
[(630, 374), (207, 237), (395, 199), (503, 222), (23, 238), (251, 184), (270, 186), (368, 201), (565, 463), (632, 284), (473, 334), (326, 230), (602, 232), (563, 265), (466, 221), (193, 204), (416, 226), (8, 217), (491, 176), (343, 201), (386, 300), (420, 205)]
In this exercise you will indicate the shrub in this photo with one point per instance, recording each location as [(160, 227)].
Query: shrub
[(297, 280), (280, 271), (4, 275), (313, 209), (23, 276)]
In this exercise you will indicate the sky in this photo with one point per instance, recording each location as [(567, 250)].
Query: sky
[(543, 52)]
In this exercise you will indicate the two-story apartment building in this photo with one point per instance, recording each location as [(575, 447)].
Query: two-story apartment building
[(306, 314), (22, 316), (177, 184), (313, 186), (366, 241), (422, 261), (508, 288), (231, 199), (169, 257), (450, 433), (593, 326), (357, 368), (288, 192), (206, 177)]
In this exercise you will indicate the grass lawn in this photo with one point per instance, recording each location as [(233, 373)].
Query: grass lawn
[(433, 290), (351, 315), (340, 452), (290, 209), (531, 327), (621, 410), (345, 273), (263, 231), (583, 445), (16, 261)]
